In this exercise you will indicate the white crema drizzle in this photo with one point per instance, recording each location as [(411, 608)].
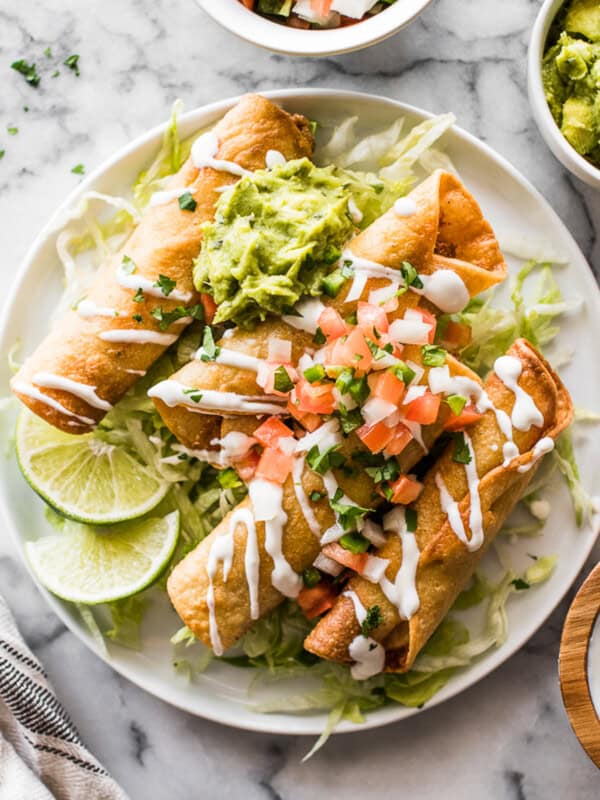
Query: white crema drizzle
[(232, 358), (142, 336), (207, 401), (525, 413), (367, 654), (402, 592), (28, 390), (134, 281), (48, 380), (204, 150), (87, 308)]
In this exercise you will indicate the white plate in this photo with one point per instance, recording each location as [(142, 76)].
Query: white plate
[(512, 205)]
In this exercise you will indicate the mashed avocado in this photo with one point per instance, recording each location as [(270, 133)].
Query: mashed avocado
[(571, 76), (275, 236)]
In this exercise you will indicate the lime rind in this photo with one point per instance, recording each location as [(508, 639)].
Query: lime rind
[(91, 565), (84, 478)]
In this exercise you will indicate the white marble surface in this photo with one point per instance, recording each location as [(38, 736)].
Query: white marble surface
[(505, 739)]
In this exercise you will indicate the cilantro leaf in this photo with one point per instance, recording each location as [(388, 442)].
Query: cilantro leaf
[(187, 202), (371, 621), (28, 71), (72, 62), (165, 284), (461, 454)]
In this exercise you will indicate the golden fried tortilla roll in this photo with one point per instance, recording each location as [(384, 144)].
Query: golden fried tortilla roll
[(439, 216), (460, 510), (223, 603), (95, 354)]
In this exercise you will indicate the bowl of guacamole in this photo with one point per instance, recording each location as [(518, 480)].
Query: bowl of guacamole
[(564, 83)]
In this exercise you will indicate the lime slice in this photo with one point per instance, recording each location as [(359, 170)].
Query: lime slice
[(86, 564), (83, 477)]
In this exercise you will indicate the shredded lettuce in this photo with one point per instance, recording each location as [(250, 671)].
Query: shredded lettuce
[(168, 160), (564, 456), (126, 620)]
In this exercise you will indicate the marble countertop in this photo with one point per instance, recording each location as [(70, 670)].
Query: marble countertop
[(508, 737)]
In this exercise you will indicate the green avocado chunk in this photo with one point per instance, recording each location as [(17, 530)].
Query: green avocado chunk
[(571, 76), (275, 236)]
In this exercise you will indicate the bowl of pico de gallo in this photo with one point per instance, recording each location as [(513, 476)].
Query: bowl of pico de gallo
[(313, 27)]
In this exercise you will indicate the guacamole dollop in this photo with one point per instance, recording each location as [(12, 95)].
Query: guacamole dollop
[(275, 235), (571, 76)]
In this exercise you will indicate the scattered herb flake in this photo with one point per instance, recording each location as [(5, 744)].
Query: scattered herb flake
[(48, 52), (316, 496), (2, 153), (165, 284), (461, 454), (28, 71), (319, 337), (282, 381), (371, 621), (410, 515), (138, 297), (72, 62), (323, 462), (193, 394), (137, 317), (187, 202), (311, 577), (78, 169), (12, 131), (128, 265), (520, 584), (211, 351)]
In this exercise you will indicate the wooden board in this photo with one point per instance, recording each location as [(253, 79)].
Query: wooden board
[(572, 665)]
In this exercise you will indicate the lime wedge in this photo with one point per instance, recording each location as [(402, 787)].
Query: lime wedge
[(86, 564), (83, 477)]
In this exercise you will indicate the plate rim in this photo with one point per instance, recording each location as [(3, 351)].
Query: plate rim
[(267, 723)]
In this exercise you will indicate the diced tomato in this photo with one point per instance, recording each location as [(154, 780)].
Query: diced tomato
[(355, 561), (375, 437), (467, 416), (456, 335), (317, 599), (274, 465), (246, 467), (210, 307), (353, 351), (427, 318), (405, 490), (321, 8), (309, 422), (332, 324), (316, 398), (387, 386), (402, 436), (271, 431), (371, 317), (249, 4), (424, 409)]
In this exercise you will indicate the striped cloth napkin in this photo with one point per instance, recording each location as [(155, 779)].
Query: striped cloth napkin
[(41, 754)]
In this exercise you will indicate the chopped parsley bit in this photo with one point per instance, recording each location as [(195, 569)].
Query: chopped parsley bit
[(319, 337), (55, 74), (28, 71), (166, 318), (137, 317), (404, 372), (461, 454), (25, 109), (228, 478), (48, 52), (323, 462), (311, 577), (520, 584), (349, 420), (348, 513), (371, 621), (316, 496), (128, 265), (78, 169), (211, 351), (410, 515), (72, 62), (433, 356), (282, 381), (355, 543), (387, 471), (138, 297), (187, 202), (2, 153), (456, 402), (314, 373), (165, 284), (411, 278), (12, 131), (194, 394)]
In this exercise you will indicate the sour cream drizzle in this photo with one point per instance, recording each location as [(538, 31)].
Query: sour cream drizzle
[(233, 358), (48, 380), (173, 393), (141, 336), (161, 198), (221, 552), (525, 413), (267, 501), (368, 655), (541, 448), (87, 308), (405, 207), (475, 515), (203, 155), (29, 390), (134, 281), (309, 311), (402, 592), (274, 158), (307, 510)]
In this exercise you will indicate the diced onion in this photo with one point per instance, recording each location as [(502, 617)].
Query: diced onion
[(327, 565), (280, 350), (407, 331), (374, 568), (375, 410), (373, 532)]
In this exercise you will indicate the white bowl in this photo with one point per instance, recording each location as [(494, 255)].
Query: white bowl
[(252, 27), (550, 131)]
